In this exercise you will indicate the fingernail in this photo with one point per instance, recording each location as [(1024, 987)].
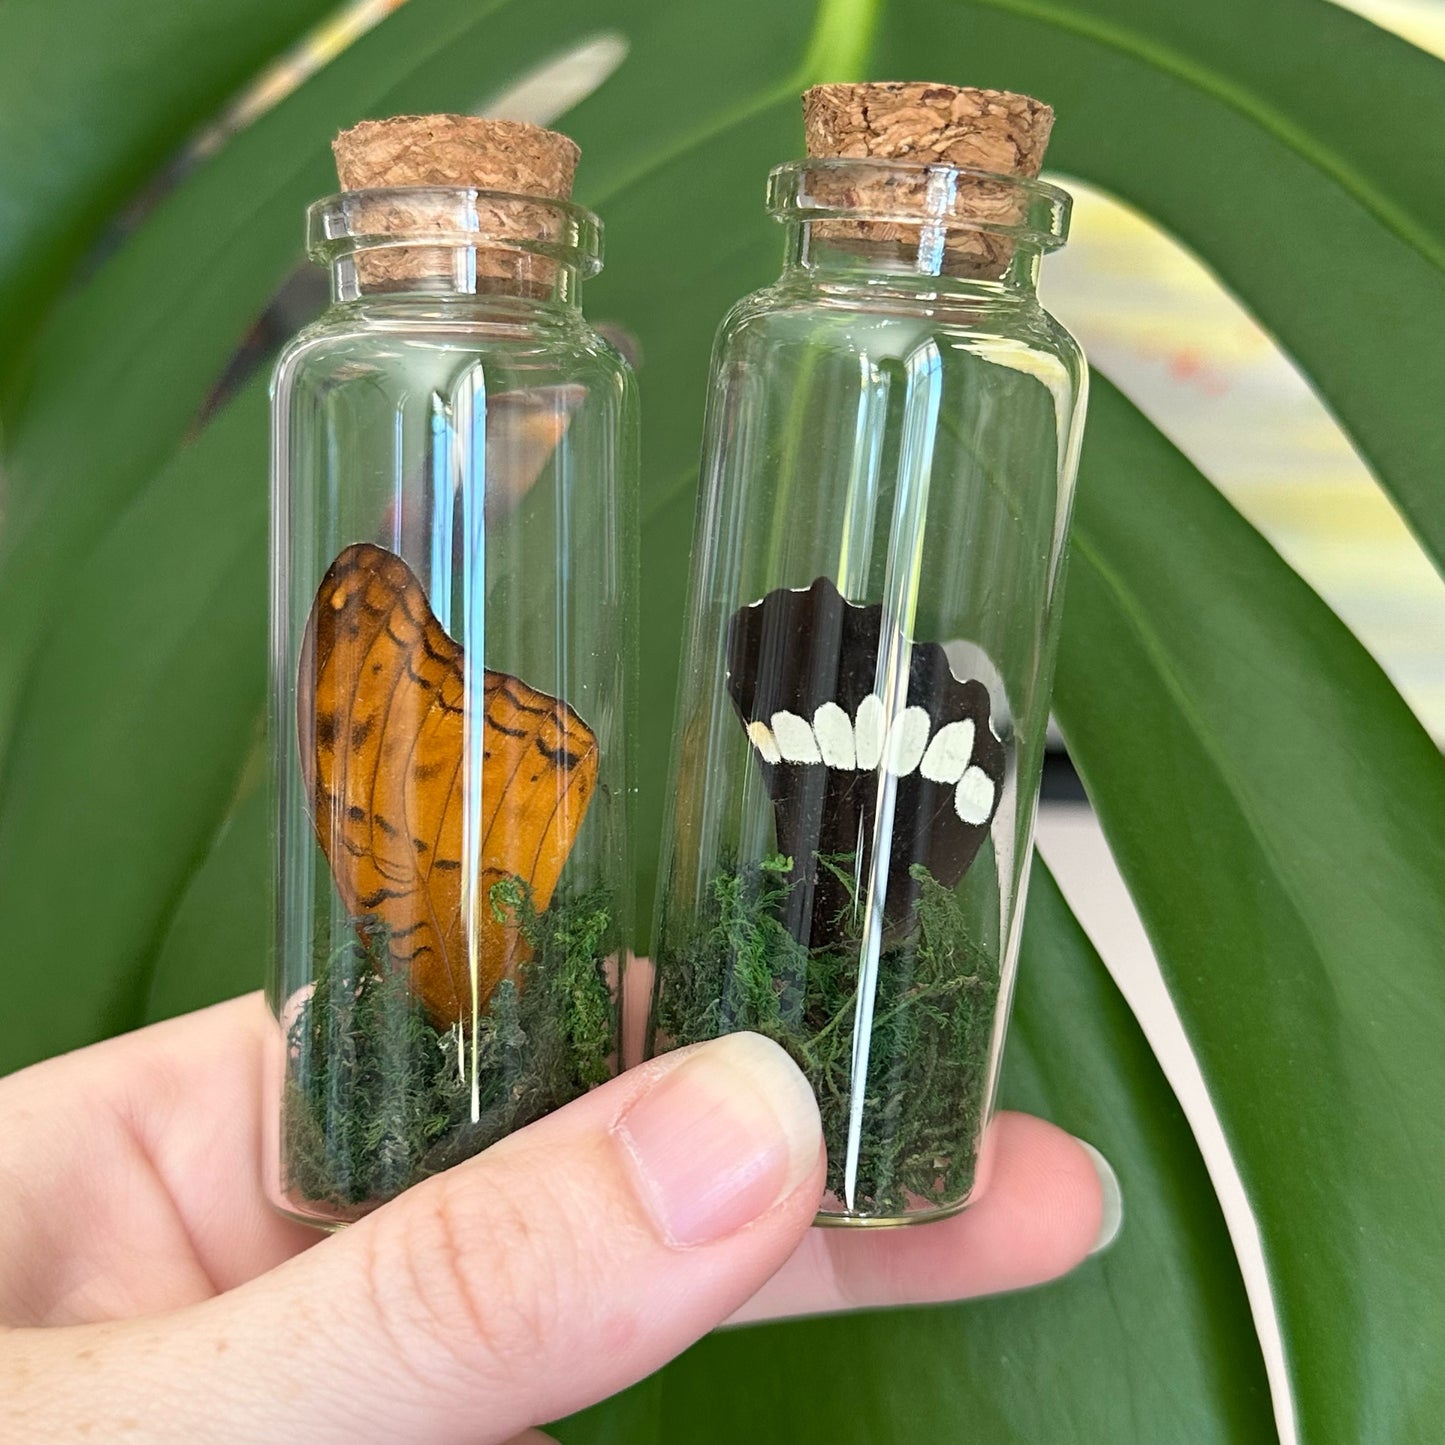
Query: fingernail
[(720, 1138), (1113, 1215)]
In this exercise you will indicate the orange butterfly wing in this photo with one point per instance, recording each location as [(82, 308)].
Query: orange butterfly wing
[(382, 728)]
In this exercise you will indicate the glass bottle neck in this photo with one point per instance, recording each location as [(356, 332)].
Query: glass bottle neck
[(480, 274), (922, 261), (439, 246), (929, 232)]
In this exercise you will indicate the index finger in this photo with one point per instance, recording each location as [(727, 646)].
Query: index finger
[(133, 1171), (1044, 1210)]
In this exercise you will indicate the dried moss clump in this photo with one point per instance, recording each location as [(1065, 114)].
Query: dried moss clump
[(375, 1098), (932, 1024)]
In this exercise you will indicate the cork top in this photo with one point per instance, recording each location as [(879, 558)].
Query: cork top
[(456, 150), (404, 166), (987, 130), (901, 125)]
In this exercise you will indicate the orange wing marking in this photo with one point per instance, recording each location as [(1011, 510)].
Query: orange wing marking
[(382, 729)]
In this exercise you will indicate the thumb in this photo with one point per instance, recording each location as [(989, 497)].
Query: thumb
[(560, 1266)]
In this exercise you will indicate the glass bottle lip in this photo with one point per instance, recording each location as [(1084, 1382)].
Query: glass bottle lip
[(437, 217), (920, 195)]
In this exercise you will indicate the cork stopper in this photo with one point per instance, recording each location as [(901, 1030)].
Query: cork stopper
[(456, 151), (929, 124)]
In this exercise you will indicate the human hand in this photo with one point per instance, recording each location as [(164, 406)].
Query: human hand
[(148, 1293)]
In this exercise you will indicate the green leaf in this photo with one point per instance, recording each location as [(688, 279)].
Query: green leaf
[(1279, 816), (96, 98), (219, 938), (1151, 1341), (1292, 145), (1251, 57), (138, 717)]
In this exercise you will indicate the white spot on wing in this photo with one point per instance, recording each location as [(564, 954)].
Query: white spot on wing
[(835, 736), (762, 739), (973, 800), (868, 732), (907, 739), (949, 753), (795, 738)]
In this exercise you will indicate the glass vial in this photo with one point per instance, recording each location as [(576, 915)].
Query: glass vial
[(451, 571), (891, 440)]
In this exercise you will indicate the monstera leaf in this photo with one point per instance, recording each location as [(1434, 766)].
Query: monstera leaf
[(1277, 813)]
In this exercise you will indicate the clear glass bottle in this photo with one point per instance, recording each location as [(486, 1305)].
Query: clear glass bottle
[(891, 441), (453, 546)]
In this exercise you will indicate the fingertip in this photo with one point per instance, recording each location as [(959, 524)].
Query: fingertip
[(1039, 1215), (1046, 1205), (1112, 1216), (722, 1139)]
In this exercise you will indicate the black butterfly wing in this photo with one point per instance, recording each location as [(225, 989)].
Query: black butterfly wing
[(802, 670)]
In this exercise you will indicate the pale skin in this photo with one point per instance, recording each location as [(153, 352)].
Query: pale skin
[(148, 1292)]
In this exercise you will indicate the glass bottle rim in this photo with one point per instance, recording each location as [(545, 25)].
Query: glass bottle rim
[(393, 217), (913, 193)]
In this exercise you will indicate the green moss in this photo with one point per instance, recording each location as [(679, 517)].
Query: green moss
[(932, 1024), (375, 1098)]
